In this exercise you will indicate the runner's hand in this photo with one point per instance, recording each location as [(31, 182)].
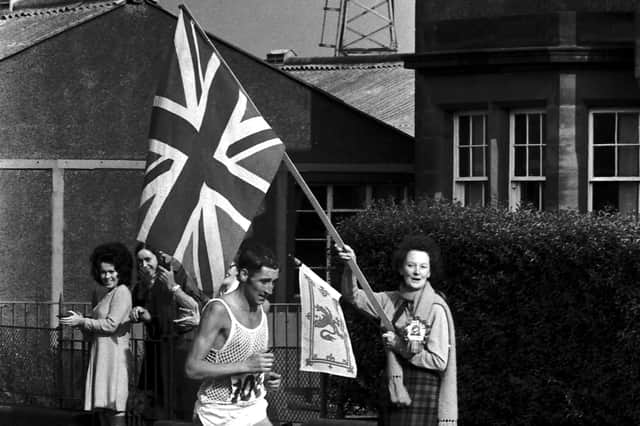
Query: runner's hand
[(272, 380), (260, 362)]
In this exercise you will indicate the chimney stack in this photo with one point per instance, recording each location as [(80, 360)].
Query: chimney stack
[(279, 56)]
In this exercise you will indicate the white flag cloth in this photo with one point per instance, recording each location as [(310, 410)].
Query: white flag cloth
[(325, 343)]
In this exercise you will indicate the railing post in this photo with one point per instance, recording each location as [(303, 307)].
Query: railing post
[(55, 308), (170, 386), (323, 396), (59, 348)]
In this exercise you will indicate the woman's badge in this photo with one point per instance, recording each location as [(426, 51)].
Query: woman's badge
[(416, 331)]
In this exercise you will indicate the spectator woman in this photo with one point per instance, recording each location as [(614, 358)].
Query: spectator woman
[(168, 302), (421, 361), (107, 383)]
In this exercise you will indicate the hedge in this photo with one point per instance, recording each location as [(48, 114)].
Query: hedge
[(545, 304)]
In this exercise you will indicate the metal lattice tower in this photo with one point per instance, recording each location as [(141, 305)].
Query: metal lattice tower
[(362, 26)]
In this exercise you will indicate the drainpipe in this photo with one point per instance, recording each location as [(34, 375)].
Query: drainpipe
[(636, 39)]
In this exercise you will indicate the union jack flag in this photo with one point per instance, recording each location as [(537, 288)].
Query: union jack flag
[(211, 160)]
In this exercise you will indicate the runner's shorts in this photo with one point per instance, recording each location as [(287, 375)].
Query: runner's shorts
[(212, 414)]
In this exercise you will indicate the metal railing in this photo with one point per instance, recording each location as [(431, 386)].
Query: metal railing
[(44, 364)]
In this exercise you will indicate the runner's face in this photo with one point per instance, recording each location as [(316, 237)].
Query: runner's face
[(416, 269), (147, 263), (260, 285), (108, 275)]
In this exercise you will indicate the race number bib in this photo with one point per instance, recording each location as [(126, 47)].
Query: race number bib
[(247, 387)]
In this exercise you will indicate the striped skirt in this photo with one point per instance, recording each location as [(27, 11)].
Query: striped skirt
[(423, 387)]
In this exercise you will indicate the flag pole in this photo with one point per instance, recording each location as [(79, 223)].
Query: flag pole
[(336, 237), (305, 188)]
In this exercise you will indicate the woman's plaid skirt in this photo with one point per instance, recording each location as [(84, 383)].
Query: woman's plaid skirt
[(423, 387)]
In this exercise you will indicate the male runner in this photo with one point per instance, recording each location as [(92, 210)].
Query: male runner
[(229, 353)]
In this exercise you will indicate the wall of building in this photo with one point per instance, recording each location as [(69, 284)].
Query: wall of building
[(463, 24), (462, 9), (65, 102)]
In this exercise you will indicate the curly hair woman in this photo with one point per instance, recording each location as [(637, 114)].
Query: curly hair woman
[(107, 383)]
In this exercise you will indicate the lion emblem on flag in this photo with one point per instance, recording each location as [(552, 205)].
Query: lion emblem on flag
[(324, 318)]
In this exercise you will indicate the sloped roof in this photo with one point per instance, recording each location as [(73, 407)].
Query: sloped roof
[(383, 89), (24, 28)]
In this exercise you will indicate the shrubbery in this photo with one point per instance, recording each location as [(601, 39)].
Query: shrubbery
[(546, 308)]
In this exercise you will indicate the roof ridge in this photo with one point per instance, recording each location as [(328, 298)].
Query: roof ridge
[(298, 67), (60, 9)]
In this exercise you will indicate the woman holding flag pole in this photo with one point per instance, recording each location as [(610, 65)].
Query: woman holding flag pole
[(421, 359)]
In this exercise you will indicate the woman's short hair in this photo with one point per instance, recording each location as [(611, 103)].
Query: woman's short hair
[(116, 254), (424, 243), (253, 256)]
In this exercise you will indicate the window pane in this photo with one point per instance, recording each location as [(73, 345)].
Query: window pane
[(604, 128), (348, 197), (386, 191), (464, 130), (534, 161), (478, 130), (628, 197), (628, 128), (311, 253), (520, 129), (615, 196), (605, 196), (336, 218), (520, 161), (531, 194), (309, 225), (604, 161), (534, 129), (628, 161), (303, 203), (463, 162), (478, 161), (474, 193)]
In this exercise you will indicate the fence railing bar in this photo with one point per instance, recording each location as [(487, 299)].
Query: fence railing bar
[(69, 355)]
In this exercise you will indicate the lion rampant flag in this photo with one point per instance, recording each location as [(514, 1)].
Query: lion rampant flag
[(325, 343)]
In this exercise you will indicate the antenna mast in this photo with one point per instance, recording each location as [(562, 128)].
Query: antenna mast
[(361, 27)]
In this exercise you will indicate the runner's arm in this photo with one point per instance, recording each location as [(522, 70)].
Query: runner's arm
[(213, 322)]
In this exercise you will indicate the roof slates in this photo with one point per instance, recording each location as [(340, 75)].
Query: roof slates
[(25, 28), (385, 91)]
